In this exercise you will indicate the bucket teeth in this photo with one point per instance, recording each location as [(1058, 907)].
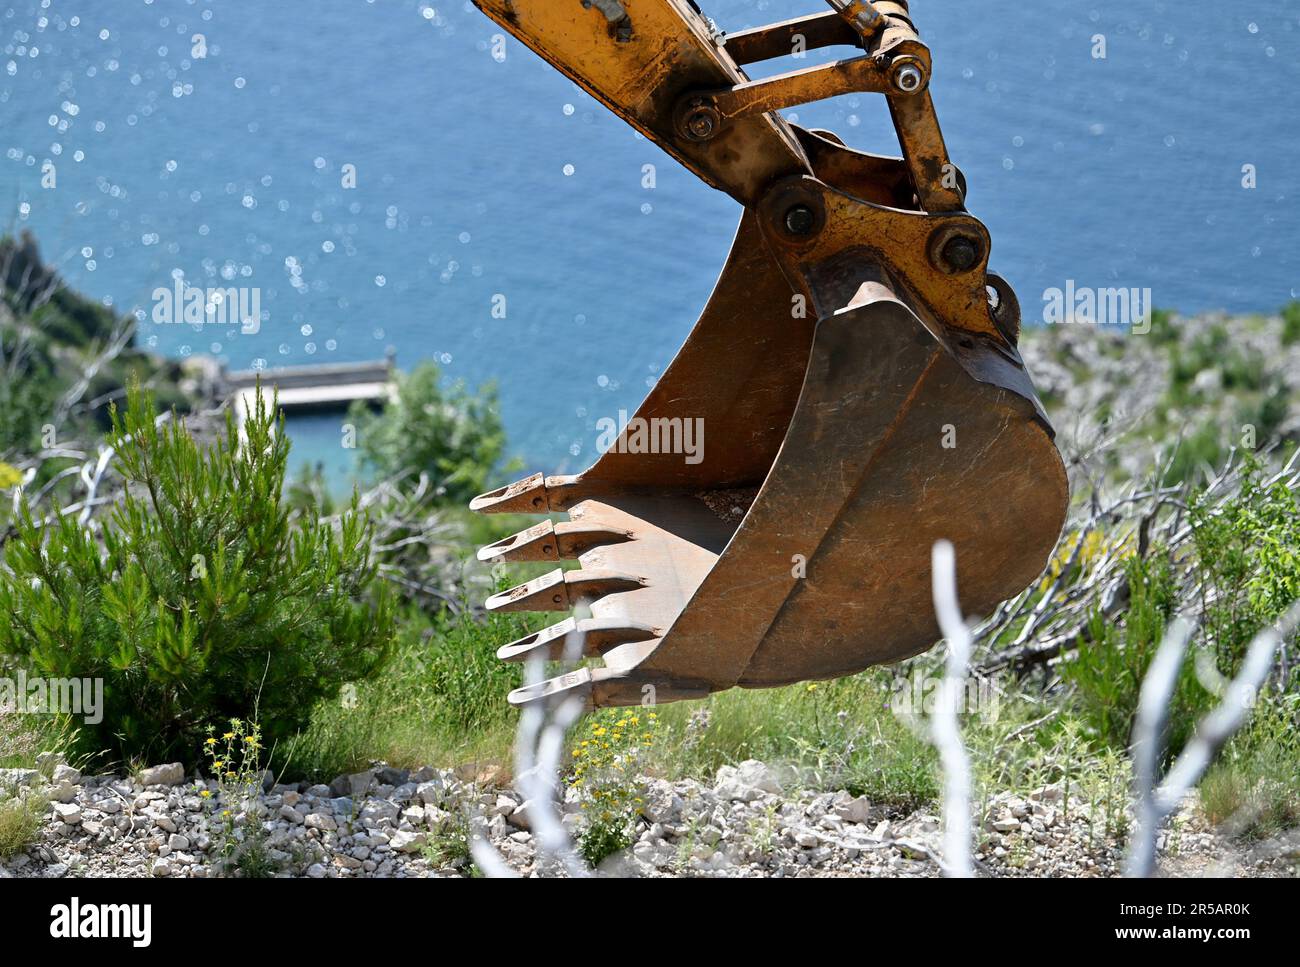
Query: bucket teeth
[(594, 637), (545, 593), (536, 543), (560, 590), (549, 541), (527, 496), (596, 687), (532, 495), (574, 684)]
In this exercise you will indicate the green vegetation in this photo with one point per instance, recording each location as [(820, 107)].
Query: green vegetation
[(451, 433), (840, 734), (1244, 561), (448, 843), (49, 337), (1254, 789), (1249, 554), (1108, 670), (1242, 375), (1291, 323), (441, 700), (1194, 387), (210, 592), (20, 820), (204, 601)]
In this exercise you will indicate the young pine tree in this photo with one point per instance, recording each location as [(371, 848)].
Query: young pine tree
[(202, 599)]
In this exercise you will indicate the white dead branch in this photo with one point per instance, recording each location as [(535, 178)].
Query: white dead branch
[(1156, 799), (945, 728)]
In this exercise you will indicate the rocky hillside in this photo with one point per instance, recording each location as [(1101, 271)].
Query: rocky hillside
[(1201, 384)]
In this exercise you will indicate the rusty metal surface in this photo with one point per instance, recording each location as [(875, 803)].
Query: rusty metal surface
[(779, 39), (860, 396), (669, 53)]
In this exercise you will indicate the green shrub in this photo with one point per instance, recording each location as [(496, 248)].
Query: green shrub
[(1248, 554), (205, 601), (1291, 323), (448, 842), (28, 392), (49, 335), (1163, 330), (1106, 672), (1242, 369), (1203, 448), (452, 434)]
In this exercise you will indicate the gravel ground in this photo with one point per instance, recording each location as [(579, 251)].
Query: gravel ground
[(395, 823)]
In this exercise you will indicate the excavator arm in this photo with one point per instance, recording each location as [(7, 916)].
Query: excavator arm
[(855, 375)]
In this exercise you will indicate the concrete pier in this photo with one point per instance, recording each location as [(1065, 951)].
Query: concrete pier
[(321, 387)]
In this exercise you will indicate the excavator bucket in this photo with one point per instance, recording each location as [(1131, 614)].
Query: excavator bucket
[(851, 394)]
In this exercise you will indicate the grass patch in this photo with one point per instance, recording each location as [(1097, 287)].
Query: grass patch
[(838, 735), (1027, 748), (23, 737), (1254, 788), (441, 701), (20, 821)]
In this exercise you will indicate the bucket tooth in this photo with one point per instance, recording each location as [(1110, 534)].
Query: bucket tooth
[(560, 590), (549, 541), (586, 586), (536, 543), (602, 687), (532, 495), (545, 593), (527, 496), (574, 684), (593, 638)]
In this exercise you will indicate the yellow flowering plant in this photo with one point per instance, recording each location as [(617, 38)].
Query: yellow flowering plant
[(10, 476), (608, 758), (234, 760)]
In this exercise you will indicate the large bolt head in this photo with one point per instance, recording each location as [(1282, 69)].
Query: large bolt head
[(800, 220), (961, 253), (697, 119), (700, 124), (909, 78)]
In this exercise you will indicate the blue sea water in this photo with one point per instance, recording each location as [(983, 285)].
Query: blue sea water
[(480, 176)]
